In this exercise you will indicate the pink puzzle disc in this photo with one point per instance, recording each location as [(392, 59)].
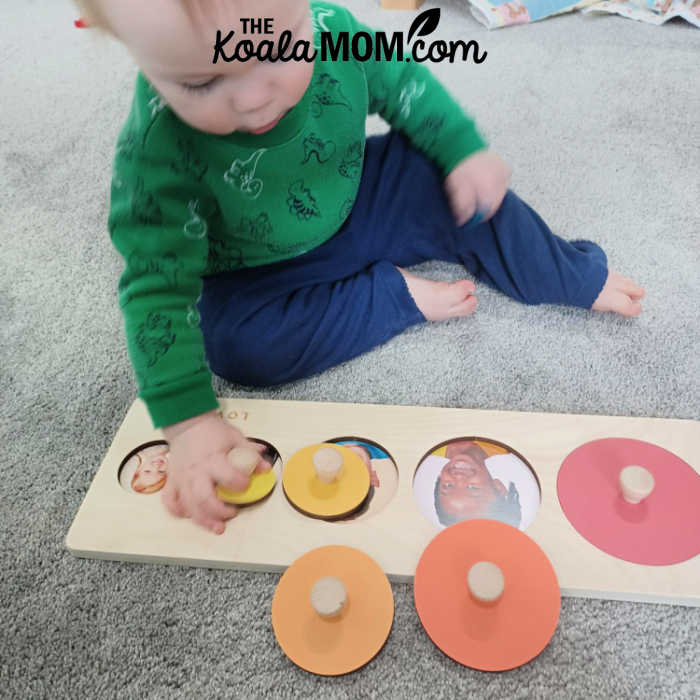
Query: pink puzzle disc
[(662, 529)]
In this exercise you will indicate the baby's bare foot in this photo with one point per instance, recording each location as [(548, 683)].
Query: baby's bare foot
[(620, 295), (439, 301)]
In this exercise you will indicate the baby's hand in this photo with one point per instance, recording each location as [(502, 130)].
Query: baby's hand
[(477, 184), (198, 462)]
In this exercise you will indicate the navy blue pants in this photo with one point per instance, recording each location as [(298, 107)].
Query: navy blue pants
[(291, 319)]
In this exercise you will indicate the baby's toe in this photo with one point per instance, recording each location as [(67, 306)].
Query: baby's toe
[(454, 293), (627, 286), (467, 307), (628, 306), (462, 298), (632, 290), (463, 288)]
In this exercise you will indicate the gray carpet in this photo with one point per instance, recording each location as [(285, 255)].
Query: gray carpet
[(597, 115)]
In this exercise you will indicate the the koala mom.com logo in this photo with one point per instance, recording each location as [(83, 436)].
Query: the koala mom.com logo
[(361, 46)]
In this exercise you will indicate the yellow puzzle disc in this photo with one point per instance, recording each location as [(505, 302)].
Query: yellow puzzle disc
[(322, 500), (261, 483)]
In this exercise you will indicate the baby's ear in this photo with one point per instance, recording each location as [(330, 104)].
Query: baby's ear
[(500, 489)]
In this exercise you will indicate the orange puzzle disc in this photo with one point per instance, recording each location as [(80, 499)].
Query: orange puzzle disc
[(330, 501), (331, 646), (489, 636)]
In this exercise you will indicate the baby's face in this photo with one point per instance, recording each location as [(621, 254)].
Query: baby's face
[(466, 488), (152, 467), (174, 50)]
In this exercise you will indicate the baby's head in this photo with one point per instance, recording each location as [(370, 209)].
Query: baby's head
[(172, 41), (465, 489)]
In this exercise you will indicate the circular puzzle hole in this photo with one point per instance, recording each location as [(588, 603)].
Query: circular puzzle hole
[(474, 477), (145, 469), (384, 476)]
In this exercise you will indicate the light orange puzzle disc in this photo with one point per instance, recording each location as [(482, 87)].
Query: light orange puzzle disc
[(487, 636), (318, 499), (333, 646)]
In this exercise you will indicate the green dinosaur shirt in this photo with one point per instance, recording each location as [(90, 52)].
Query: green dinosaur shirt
[(185, 203)]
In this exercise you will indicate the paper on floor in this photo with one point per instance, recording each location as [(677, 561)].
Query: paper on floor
[(501, 13), (650, 11)]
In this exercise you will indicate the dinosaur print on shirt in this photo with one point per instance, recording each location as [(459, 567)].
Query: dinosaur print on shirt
[(144, 206), (345, 209), (192, 317), (241, 175), (196, 226), (411, 92), (319, 15), (351, 165), (155, 337), (127, 145), (327, 92), (314, 146), (428, 131), (188, 162), (223, 256), (301, 202), (257, 229), (138, 265)]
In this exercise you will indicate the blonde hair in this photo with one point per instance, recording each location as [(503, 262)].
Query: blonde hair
[(140, 487)]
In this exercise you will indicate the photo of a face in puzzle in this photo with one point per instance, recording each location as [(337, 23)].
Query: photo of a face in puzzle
[(383, 476), (145, 470), (470, 478)]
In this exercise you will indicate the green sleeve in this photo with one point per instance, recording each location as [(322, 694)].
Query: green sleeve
[(413, 101), (156, 226)]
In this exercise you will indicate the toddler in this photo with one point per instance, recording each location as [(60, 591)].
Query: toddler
[(266, 239)]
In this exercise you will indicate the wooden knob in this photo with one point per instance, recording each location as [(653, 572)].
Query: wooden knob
[(636, 483), (485, 581), (328, 463), (244, 459), (328, 596)]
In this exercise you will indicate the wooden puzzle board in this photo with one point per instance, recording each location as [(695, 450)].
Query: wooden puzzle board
[(115, 524)]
